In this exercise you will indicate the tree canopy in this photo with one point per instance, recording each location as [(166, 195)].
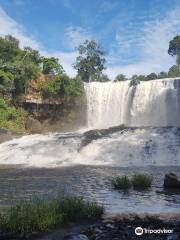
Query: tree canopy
[(19, 67), (120, 77), (91, 62)]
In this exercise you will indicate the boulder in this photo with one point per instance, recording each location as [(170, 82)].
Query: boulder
[(33, 125), (171, 180)]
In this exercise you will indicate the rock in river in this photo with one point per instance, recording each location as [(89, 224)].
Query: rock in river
[(171, 180)]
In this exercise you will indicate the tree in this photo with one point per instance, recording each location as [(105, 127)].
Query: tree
[(151, 76), (24, 72), (120, 77), (32, 55), (174, 49), (103, 78), (61, 86), (173, 71), (163, 75), (12, 40), (142, 77), (8, 48), (6, 81), (52, 66), (90, 62)]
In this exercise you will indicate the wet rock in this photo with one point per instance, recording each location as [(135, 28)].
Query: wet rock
[(171, 180), (99, 133), (76, 237), (33, 125)]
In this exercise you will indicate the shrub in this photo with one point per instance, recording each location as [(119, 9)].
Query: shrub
[(41, 215), (11, 119), (141, 181), (121, 183)]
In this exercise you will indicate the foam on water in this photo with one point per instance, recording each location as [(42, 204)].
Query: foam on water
[(129, 147)]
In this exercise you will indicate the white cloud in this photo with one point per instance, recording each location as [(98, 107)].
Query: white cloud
[(153, 46), (9, 26), (76, 36)]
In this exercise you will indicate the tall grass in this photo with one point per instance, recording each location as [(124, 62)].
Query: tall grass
[(41, 215), (121, 183), (141, 181), (138, 181)]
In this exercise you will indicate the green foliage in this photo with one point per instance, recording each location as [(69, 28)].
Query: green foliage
[(24, 72), (121, 183), (174, 46), (52, 66), (6, 80), (141, 181), (174, 50), (142, 77), (174, 71), (103, 78), (120, 77), (11, 119), (138, 181), (62, 87), (17, 67), (32, 55), (138, 77), (151, 76), (90, 62), (42, 215), (9, 48), (163, 75)]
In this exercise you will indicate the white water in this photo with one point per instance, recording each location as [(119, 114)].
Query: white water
[(151, 103), (129, 147)]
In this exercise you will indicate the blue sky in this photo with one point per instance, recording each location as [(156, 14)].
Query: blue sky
[(134, 33)]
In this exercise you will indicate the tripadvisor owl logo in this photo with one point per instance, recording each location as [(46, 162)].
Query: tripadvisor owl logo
[(138, 231)]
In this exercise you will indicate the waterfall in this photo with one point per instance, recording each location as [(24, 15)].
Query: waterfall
[(150, 103)]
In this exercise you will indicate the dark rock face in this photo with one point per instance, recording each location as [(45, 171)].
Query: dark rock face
[(64, 117), (171, 180), (33, 125), (99, 133)]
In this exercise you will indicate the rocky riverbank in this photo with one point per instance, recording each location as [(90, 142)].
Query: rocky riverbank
[(122, 227)]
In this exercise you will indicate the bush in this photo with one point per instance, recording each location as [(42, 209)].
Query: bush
[(141, 181), (41, 215), (11, 119), (121, 183)]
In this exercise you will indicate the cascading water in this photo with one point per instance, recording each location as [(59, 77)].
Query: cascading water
[(85, 162), (152, 103)]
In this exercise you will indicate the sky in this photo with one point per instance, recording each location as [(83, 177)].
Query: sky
[(134, 33)]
